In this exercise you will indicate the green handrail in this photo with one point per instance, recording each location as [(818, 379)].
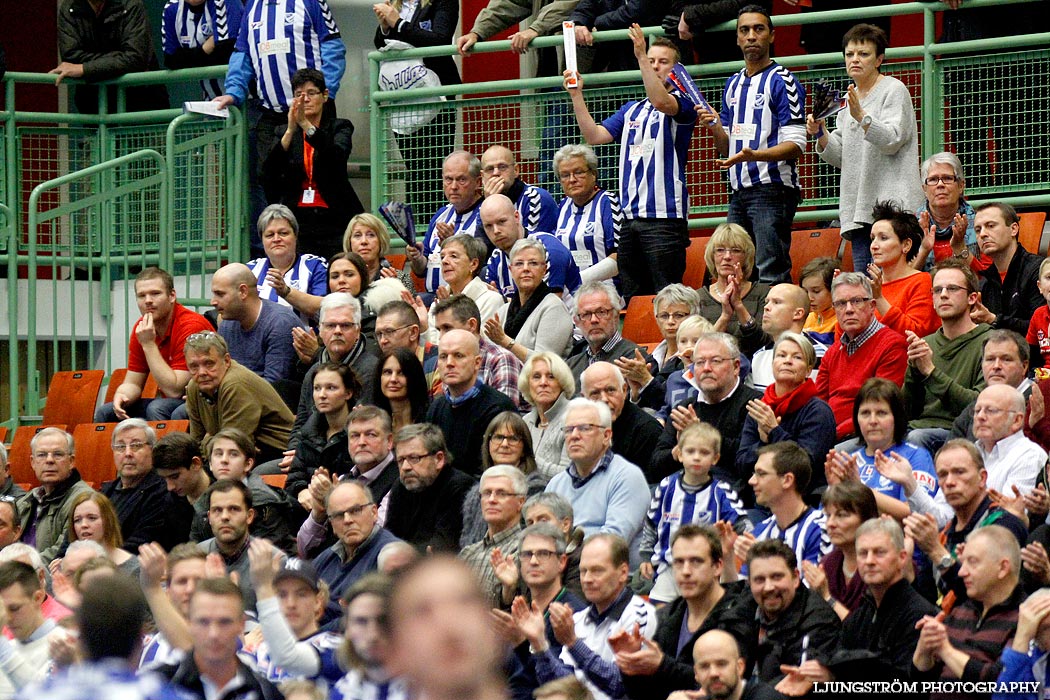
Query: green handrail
[(10, 233)]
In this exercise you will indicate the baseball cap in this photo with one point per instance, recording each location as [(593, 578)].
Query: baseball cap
[(300, 569)]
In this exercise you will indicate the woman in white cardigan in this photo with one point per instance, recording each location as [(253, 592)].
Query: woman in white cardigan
[(462, 260), (546, 383)]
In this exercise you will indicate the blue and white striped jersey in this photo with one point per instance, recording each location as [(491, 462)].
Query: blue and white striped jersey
[(279, 37), (562, 272), (309, 274), (186, 27), (808, 535), (673, 506), (537, 208), (761, 111), (591, 232), (468, 222), (325, 643), (653, 152), (355, 686)]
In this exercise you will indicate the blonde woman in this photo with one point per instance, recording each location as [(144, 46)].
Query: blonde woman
[(368, 236), (732, 302)]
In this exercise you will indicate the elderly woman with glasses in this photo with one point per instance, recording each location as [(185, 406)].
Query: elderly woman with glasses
[(306, 171), (732, 301), (546, 382), (589, 217), (286, 276), (946, 217)]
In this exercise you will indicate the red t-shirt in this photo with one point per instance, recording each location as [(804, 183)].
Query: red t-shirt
[(184, 323), (1039, 332)]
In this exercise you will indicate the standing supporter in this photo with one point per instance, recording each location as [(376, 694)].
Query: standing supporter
[(671, 307), (759, 135), (499, 175), (865, 349), (179, 572), (44, 511), (498, 15), (155, 348), (257, 331), (732, 302), (216, 620), (689, 497), (635, 432), (903, 300), (200, 33), (816, 278), (462, 263), (654, 236), (875, 142), (502, 495), (1009, 286), (223, 394), (365, 649), (306, 170), (690, 20), (547, 384), (461, 184), (589, 217), (946, 217), (598, 15), (597, 318)]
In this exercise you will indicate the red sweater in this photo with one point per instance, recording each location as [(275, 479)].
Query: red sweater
[(911, 305), (840, 377)]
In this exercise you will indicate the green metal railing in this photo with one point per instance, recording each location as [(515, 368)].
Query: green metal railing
[(1010, 87)]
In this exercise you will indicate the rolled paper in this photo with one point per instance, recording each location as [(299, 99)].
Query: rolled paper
[(568, 32)]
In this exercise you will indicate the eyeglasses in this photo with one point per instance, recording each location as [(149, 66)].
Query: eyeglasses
[(715, 361), (509, 439), (352, 511), (498, 494), (308, 94), (57, 454), (950, 288), (600, 314), (574, 175), (389, 333), (498, 167), (946, 179), (414, 460), (134, 446), (531, 264), (582, 428), (327, 326), (991, 411), (720, 251), (855, 301), (665, 317), (542, 555)]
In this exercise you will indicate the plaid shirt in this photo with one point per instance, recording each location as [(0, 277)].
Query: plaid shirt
[(852, 345), (479, 557)]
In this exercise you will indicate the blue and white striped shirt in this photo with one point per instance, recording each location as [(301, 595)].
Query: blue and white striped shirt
[(537, 208), (355, 686), (562, 272), (807, 536), (591, 232), (278, 37), (324, 643), (653, 152), (762, 111), (673, 506), (186, 27), (468, 222), (309, 274)]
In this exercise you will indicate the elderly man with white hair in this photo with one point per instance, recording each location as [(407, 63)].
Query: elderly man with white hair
[(1012, 460), (503, 491), (635, 432), (607, 493)]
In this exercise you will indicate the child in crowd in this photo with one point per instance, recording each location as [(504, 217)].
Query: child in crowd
[(690, 496), (816, 279), (1039, 326)]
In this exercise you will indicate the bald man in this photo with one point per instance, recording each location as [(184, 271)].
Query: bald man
[(258, 332), (466, 405), (504, 227), (499, 175), (998, 424), (786, 309), (719, 670)]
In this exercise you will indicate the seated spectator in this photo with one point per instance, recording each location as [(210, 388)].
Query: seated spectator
[(223, 394), (178, 460), (635, 432), (535, 205), (671, 307), (1038, 336), (732, 302), (608, 494), (27, 657), (1011, 459), (368, 236), (368, 673), (155, 347), (507, 442), (291, 598), (547, 384), (1004, 361), (213, 657), (322, 440), (846, 506), (19, 551), (721, 402), (347, 273), (589, 216), (426, 504), (944, 368), (816, 277), (462, 263), (689, 497), (398, 326), (502, 495), (788, 623), (466, 406), (1009, 286), (884, 451), (946, 217), (681, 384), (534, 319), (10, 527), (613, 611), (505, 225), (782, 474), (179, 573), (306, 170), (286, 275), (353, 513), (664, 666), (139, 496), (866, 348), (1020, 660), (789, 410), (970, 640), (903, 300), (44, 511), (500, 368), (719, 668), (257, 331), (92, 517), (785, 310), (596, 313), (551, 508), (399, 387)]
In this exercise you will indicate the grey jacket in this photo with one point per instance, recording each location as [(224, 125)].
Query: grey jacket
[(501, 14)]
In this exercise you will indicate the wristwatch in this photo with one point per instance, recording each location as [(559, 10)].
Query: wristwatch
[(311, 131), (945, 563)]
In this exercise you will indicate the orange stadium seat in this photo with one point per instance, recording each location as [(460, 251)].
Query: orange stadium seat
[(1031, 234), (163, 427), (397, 260), (94, 458), (276, 480), (695, 266), (639, 324), (812, 243), (115, 380), (846, 254), (3, 434), (18, 456), (71, 397)]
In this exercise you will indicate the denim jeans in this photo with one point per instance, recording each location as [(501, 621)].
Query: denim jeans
[(766, 212), (149, 409), (651, 254), (860, 240)]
